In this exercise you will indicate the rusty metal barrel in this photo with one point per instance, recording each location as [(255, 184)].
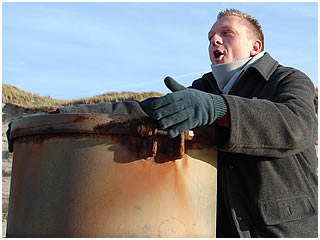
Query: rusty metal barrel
[(100, 175)]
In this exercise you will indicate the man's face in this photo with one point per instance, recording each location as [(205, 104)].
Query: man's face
[(229, 40)]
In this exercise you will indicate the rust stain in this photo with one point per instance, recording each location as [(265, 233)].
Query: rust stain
[(160, 148), (146, 130), (137, 135), (38, 139), (126, 127), (42, 138), (140, 136), (182, 145), (81, 118)]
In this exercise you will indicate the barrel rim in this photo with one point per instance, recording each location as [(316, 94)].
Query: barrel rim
[(81, 123)]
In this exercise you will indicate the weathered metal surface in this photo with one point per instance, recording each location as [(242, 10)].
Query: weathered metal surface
[(120, 184), (77, 123)]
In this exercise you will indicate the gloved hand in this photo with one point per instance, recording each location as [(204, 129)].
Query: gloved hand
[(173, 85), (186, 109), (146, 105)]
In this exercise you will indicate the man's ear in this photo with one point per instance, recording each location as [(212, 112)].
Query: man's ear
[(256, 48)]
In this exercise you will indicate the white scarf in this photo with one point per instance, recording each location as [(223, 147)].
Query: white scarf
[(226, 74)]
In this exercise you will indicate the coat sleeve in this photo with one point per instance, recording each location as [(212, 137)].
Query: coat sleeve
[(282, 125)]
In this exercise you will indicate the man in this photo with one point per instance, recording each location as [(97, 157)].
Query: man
[(263, 119)]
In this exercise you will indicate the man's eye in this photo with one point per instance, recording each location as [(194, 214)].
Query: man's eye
[(227, 32)]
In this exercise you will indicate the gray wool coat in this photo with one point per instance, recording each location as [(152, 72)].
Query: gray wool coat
[(267, 163)]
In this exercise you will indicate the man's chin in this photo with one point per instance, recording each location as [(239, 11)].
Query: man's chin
[(219, 62)]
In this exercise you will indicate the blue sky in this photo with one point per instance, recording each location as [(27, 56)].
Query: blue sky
[(73, 50)]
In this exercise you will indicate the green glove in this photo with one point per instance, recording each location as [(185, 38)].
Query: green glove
[(173, 85), (146, 105), (186, 109)]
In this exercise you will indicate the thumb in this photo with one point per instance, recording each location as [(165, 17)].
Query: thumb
[(173, 85)]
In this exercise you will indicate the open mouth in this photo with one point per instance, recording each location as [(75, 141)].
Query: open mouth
[(217, 54)]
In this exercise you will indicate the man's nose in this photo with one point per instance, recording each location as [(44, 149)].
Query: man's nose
[(216, 40)]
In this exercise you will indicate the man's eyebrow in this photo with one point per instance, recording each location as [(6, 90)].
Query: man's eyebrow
[(226, 27)]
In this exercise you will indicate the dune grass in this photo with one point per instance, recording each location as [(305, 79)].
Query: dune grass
[(14, 95)]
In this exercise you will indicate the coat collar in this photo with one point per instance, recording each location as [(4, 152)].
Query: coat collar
[(265, 66)]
